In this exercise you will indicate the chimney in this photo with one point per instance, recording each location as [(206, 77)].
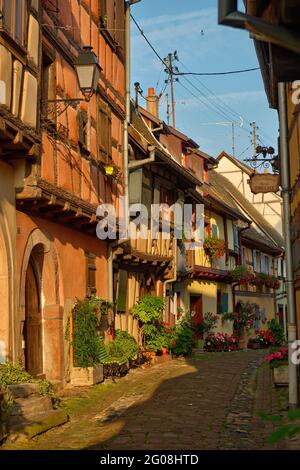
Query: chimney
[(152, 102)]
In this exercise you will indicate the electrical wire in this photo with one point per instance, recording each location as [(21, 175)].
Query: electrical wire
[(208, 74), (221, 110), (148, 42)]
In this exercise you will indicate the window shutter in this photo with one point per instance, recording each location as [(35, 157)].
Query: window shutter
[(103, 8), (91, 274), (80, 128), (224, 302), (254, 260), (120, 24), (235, 238), (263, 315), (122, 294), (257, 320), (104, 130), (262, 263), (110, 11), (270, 264), (214, 230)]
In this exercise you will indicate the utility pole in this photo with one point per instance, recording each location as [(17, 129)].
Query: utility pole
[(254, 138), (170, 69), (168, 109)]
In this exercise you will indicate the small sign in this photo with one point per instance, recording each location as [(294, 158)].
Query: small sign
[(264, 183)]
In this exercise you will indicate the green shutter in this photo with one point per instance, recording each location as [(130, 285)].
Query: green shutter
[(235, 238), (214, 230), (254, 260), (224, 302)]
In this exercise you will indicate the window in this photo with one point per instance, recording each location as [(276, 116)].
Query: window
[(122, 291), (112, 15), (14, 13), (82, 127), (104, 130), (91, 274), (235, 238), (48, 85), (222, 302)]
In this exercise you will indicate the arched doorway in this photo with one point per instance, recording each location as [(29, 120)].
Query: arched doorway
[(42, 321), (33, 324)]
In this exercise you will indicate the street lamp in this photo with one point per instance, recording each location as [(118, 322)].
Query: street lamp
[(88, 74)]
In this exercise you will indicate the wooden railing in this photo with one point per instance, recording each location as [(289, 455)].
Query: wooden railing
[(155, 247)]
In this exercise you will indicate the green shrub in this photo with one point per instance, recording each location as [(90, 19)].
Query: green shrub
[(149, 309), (124, 345), (87, 341), (183, 342), (276, 331), (15, 374)]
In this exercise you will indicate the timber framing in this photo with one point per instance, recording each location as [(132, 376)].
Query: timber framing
[(16, 139), (42, 199)]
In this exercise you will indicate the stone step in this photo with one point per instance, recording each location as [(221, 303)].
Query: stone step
[(42, 422), (30, 406), (23, 390)]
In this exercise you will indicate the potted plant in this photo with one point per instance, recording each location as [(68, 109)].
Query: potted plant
[(87, 343), (241, 275), (214, 247), (278, 362)]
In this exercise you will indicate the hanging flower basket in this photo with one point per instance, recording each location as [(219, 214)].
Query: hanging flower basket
[(214, 247)]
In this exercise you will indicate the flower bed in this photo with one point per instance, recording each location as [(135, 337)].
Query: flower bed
[(278, 358), (221, 342)]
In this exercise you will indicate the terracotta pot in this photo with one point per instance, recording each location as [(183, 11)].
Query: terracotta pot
[(164, 351)]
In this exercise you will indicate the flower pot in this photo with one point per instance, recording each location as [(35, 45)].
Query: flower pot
[(85, 376), (281, 376), (164, 351)]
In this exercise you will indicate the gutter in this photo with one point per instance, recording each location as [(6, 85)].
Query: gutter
[(140, 163), (259, 29)]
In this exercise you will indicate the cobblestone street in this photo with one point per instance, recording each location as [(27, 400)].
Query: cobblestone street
[(210, 401)]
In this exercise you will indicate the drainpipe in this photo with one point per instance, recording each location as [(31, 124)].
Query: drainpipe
[(260, 29), (139, 163), (290, 288), (127, 113), (174, 279)]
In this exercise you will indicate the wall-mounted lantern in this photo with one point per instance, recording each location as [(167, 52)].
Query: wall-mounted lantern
[(88, 74)]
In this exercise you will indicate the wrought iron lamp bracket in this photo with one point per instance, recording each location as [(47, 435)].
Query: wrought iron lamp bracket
[(265, 162), (54, 108)]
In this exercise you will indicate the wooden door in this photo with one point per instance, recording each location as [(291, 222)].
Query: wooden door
[(33, 325), (196, 311)]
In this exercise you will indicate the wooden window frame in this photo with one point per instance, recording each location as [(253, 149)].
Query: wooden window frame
[(11, 28)]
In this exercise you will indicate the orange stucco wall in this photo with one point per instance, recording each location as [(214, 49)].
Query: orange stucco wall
[(70, 246)]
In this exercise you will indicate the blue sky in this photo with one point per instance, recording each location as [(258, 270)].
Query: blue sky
[(176, 25)]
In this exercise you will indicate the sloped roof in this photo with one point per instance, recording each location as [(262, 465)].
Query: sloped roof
[(138, 123), (228, 192), (246, 168)]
